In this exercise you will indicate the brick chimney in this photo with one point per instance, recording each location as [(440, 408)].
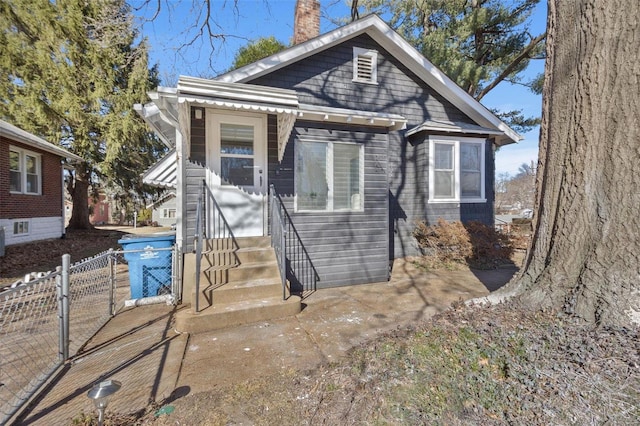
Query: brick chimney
[(306, 23)]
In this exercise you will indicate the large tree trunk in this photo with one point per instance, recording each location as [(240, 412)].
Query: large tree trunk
[(79, 189), (585, 254)]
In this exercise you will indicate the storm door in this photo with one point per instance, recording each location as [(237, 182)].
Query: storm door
[(237, 154)]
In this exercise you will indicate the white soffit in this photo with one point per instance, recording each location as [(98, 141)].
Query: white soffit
[(352, 117), (151, 114), (452, 127), (377, 29)]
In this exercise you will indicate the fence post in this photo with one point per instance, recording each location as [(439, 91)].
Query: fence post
[(112, 284), (66, 263), (60, 313)]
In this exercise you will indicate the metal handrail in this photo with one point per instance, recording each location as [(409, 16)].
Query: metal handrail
[(278, 237), (212, 225), (198, 237), (294, 261)]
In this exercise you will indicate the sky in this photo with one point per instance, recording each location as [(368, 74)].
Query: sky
[(173, 28)]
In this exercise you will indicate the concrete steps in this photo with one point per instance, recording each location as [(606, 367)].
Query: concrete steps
[(239, 284), (223, 315)]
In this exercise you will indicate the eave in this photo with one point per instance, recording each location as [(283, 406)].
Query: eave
[(17, 134), (391, 41)]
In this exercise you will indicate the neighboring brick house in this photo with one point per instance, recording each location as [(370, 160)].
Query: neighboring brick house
[(31, 186), (100, 210)]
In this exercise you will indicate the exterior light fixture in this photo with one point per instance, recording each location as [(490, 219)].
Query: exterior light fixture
[(100, 395)]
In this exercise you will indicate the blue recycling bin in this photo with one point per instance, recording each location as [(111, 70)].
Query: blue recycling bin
[(149, 268)]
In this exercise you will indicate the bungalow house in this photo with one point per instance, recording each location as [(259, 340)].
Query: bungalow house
[(355, 135), (31, 186)]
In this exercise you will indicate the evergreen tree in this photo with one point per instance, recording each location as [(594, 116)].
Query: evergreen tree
[(71, 72), (477, 43)]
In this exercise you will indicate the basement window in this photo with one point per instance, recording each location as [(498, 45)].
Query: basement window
[(365, 66), (21, 227)]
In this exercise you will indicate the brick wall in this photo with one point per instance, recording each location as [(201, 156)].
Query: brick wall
[(48, 203)]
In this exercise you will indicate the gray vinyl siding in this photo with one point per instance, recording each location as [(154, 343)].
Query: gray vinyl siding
[(325, 79), (345, 247), (195, 173)]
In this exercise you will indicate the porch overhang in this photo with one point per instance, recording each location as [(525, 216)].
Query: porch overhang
[(282, 103), (164, 173), (457, 127), (161, 114)]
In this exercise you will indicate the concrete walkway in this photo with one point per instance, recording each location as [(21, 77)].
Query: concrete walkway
[(140, 347)]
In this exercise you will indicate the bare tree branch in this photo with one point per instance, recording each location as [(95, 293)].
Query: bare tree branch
[(513, 65)]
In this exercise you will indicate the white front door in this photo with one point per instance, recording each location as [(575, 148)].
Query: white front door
[(238, 174)]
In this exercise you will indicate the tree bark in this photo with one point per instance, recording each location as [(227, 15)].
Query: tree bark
[(79, 190), (585, 255)]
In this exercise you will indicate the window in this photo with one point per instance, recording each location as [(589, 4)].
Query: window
[(169, 213), (24, 171), (456, 169), (236, 154), (329, 176), (21, 227), (365, 65)]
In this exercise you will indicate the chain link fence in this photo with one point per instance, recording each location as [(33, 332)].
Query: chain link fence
[(48, 320)]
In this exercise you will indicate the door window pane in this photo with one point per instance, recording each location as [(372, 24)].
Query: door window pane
[(237, 171), (236, 154), (236, 139)]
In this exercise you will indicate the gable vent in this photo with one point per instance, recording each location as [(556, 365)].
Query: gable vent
[(365, 65)]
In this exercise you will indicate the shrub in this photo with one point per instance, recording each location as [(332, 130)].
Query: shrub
[(473, 243)]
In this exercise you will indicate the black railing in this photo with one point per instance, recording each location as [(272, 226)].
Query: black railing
[(293, 259)]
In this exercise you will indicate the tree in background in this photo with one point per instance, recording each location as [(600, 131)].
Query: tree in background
[(256, 50), (516, 192), (477, 43), (584, 258), (71, 72)]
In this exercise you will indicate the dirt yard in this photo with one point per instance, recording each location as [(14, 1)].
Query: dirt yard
[(43, 256)]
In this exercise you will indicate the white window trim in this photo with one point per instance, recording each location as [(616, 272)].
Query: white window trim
[(23, 170), (373, 55), (455, 141), (214, 120), (21, 234), (330, 192)]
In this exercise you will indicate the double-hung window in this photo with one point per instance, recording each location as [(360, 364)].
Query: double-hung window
[(456, 169), (329, 176), (25, 175)]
